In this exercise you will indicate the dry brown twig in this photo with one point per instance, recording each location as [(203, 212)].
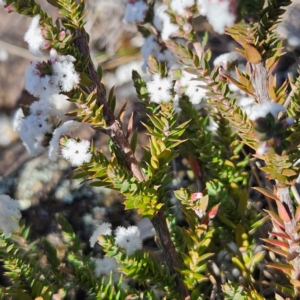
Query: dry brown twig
[(114, 130)]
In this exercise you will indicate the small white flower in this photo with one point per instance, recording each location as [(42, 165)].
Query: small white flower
[(180, 6), (64, 75), (129, 239), (136, 12), (186, 85), (77, 152), (150, 47), (225, 58), (34, 37), (105, 266), (103, 229), (219, 13), (162, 23), (65, 128), (160, 89), (32, 129), (9, 214), (261, 110)]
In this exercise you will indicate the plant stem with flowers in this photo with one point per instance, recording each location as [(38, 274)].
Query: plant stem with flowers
[(207, 114)]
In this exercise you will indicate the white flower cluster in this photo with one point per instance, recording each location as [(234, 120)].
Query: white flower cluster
[(226, 58), (103, 229), (46, 80), (160, 89), (105, 266), (190, 86), (34, 37), (262, 110), (77, 152), (152, 47), (163, 24), (129, 239), (135, 11), (61, 78), (219, 13), (180, 6), (9, 214), (126, 238), (33, 128)]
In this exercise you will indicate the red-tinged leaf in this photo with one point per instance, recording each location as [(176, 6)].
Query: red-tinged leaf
[(274, 217), (287, 269), (277, 251), (283, 214), (213, 211), (291, 256), (211, 214), (277, 243), (280, 235), (266, 193), (297, 214), (278, 228), (130, 126)]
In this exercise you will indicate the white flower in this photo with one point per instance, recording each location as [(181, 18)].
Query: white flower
[(150, 47), (129, 239), (179, 6), (261, 110), (9, 214), (246, 104), (103, 229), (225, 58), (159, 89), (136, 12), (65, 128), (32, 129), (64, 75), (162, 23), (218, 12), (186, 85), (105, 266), (77, 152), (34, 37), (38, 85), (195, 92)]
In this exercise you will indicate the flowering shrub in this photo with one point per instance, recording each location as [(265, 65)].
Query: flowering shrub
[(222, 116)]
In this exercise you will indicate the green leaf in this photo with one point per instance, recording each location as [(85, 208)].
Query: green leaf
[(134, 141), (238, 264), (51, 254)]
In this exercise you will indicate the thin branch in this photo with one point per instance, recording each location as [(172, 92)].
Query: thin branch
[(260, 78), (117, 135)]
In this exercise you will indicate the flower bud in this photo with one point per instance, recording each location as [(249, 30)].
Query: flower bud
[(196, 196), (187, 27), (62, 35)]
